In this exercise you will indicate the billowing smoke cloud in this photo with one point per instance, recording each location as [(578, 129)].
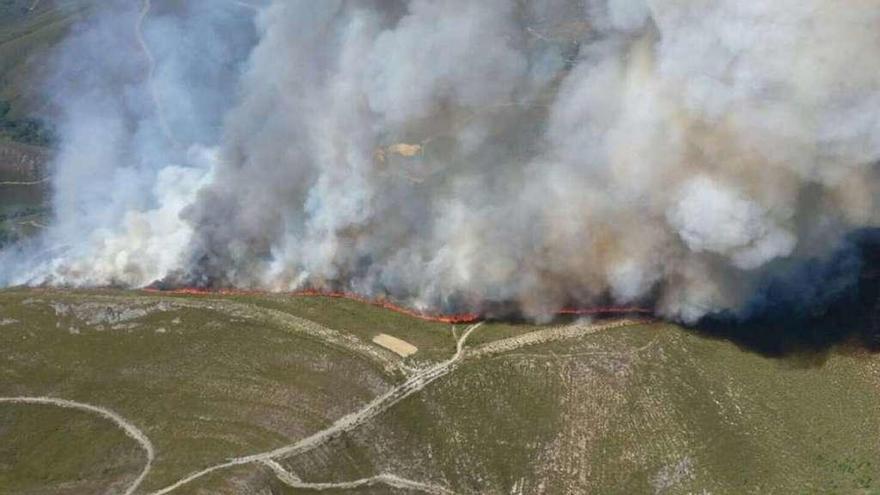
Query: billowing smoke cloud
[(467, 155)]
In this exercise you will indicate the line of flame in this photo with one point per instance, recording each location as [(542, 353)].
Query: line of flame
[(453, 318)]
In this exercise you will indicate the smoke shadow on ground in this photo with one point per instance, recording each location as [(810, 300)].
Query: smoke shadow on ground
[(846, 319)]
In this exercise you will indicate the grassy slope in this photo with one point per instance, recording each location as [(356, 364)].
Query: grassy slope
[(207, 388), (109, 459), (434, 340), (639, 410), (25, 39), (635, 411)]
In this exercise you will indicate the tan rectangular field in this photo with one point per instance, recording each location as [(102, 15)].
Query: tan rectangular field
[(395, 345)]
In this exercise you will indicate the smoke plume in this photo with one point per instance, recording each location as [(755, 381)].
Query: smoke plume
[(460, 154)]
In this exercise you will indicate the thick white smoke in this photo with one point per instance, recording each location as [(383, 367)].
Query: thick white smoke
[(465, 154)]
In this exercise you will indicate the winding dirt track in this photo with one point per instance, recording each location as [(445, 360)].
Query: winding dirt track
[(308, 328), (391, 480), (245, 5), (25, 182), (386, 401), (151, 72), (344, 424), (413, 384), (275, 318), (129, 429), (550, 335)]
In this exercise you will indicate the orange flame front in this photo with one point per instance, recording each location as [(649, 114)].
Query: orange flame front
[(452, 318)]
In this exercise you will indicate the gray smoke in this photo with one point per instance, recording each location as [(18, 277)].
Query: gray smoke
[(461, 154)]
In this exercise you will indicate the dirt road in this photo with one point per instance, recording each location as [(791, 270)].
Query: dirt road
[(129, 429), (346, 423)]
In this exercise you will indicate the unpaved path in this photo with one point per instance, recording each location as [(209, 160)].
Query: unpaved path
[(550, 335), (377, 406), (129, 429), (397, 394), (151, 66), (328, 336), (391, 480), (151, 72), (25, 182), (35, 224), (348, 343), (245, 5), (565, 355), (344, 424)]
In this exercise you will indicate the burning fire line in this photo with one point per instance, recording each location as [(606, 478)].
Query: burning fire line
[(454, 318)]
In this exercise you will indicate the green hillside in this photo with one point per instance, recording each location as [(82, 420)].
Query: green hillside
[(28, 29), (602, 407)]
